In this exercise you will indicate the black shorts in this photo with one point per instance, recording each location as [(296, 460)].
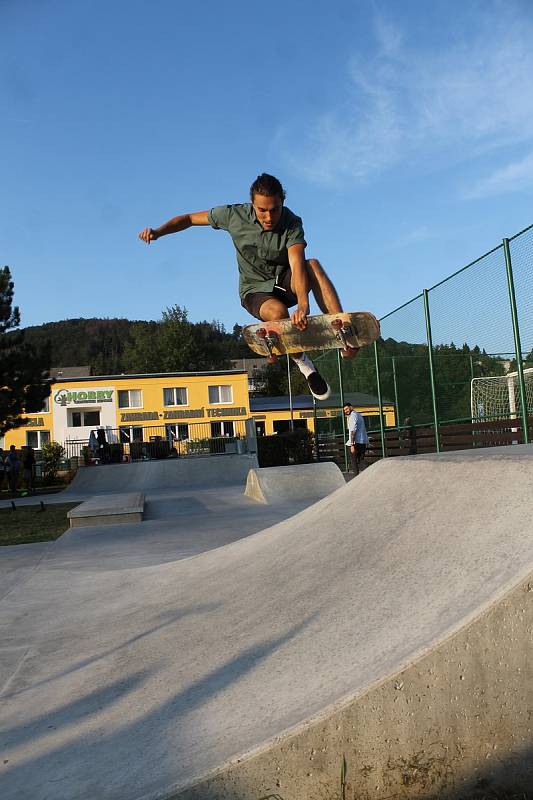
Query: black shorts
[(253, 301)]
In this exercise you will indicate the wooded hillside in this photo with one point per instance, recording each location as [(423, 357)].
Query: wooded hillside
[(115, 346)]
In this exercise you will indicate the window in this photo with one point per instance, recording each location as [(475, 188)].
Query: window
[(131, 434), (91, 418), (130, 398), (36, 439), (46, 405), (178, 432), (220, 394), (222, 429), (281, 425), (84, 419), (176, 396)]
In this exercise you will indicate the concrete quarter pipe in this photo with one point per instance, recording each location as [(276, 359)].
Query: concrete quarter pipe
[(389, 624)]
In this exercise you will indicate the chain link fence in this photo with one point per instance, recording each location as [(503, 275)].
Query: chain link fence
[(454, 362)]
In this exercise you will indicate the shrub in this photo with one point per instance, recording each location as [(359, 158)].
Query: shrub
[(289, 447), (52, 453)]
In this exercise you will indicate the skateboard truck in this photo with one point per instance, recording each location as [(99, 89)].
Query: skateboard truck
[(270, 339), (342, 330)]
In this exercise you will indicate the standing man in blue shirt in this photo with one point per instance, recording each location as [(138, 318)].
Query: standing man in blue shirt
[(274, 273), (357, 436)]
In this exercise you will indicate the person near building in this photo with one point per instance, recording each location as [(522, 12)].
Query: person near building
[(357, 436), (274, 272), (13, 468), (28, 467), (93, 444), (103, 447)]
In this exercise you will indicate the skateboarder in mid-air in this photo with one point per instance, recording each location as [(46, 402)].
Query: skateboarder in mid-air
[(274, 274)]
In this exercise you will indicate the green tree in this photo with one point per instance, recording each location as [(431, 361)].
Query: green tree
[(179, 346), (173, 344), (24, 369), (142, 353)]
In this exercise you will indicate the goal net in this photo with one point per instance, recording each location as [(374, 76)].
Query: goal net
[(499, 397)]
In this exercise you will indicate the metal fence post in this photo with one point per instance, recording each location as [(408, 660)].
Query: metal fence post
[(341, 395), (290, 392), (380, 403), (517, 343), (431, 369), (398, 423), (317, 449)]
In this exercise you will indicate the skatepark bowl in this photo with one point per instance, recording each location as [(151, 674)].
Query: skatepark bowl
[(363, 640)]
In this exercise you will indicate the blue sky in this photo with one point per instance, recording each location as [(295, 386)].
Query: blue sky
[(401, 129)]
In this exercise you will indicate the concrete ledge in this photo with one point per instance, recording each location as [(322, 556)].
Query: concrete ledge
[(110, 509), (309, 482), (167, 473)]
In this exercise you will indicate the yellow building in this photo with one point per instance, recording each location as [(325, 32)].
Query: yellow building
[(186, 410), (138, 408), (273, 414)]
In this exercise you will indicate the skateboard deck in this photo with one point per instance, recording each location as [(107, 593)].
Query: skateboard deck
[(323, 332)]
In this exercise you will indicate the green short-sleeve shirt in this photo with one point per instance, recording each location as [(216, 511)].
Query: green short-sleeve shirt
[(261, 255)]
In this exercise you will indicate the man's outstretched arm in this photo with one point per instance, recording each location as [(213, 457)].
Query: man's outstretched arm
[(174, 225), (300, 285)]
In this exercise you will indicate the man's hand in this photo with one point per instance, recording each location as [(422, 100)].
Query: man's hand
[(299, 316), (148, 235)]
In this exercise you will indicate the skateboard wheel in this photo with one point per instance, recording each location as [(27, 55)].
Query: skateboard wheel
[(337, 324), (261, 333)]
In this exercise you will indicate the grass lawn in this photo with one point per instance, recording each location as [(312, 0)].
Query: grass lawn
[(29, 524), (5, 494)]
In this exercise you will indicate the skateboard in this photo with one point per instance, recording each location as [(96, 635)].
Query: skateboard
[(324, 332)]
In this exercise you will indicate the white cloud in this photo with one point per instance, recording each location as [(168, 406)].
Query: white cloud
[(437, 107), (517, 176), (416, 236)]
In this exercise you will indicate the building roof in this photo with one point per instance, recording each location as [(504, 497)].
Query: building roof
[(63, 373), (137, 376), (305, 401)]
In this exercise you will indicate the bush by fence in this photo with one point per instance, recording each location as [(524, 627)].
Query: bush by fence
[(289, 447)]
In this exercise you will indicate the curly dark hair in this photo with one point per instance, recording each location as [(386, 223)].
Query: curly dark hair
[(267, 185)]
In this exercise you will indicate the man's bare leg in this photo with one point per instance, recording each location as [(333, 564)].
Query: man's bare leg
[(326, 295), (273, 309), (323, 289)]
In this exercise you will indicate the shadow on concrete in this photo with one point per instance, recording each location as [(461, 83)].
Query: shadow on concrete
[(80, 756), (79, 665), (68, 715)]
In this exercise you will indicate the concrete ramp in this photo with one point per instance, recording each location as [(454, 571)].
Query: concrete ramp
[(309, 482), (169, 473), (387, 627)]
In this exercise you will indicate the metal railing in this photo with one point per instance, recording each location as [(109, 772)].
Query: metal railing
[(475, 324), (140, 443)]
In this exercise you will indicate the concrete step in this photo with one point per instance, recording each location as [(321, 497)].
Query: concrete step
[(109, 509)]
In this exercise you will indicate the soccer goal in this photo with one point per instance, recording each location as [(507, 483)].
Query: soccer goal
[(499, 397)]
